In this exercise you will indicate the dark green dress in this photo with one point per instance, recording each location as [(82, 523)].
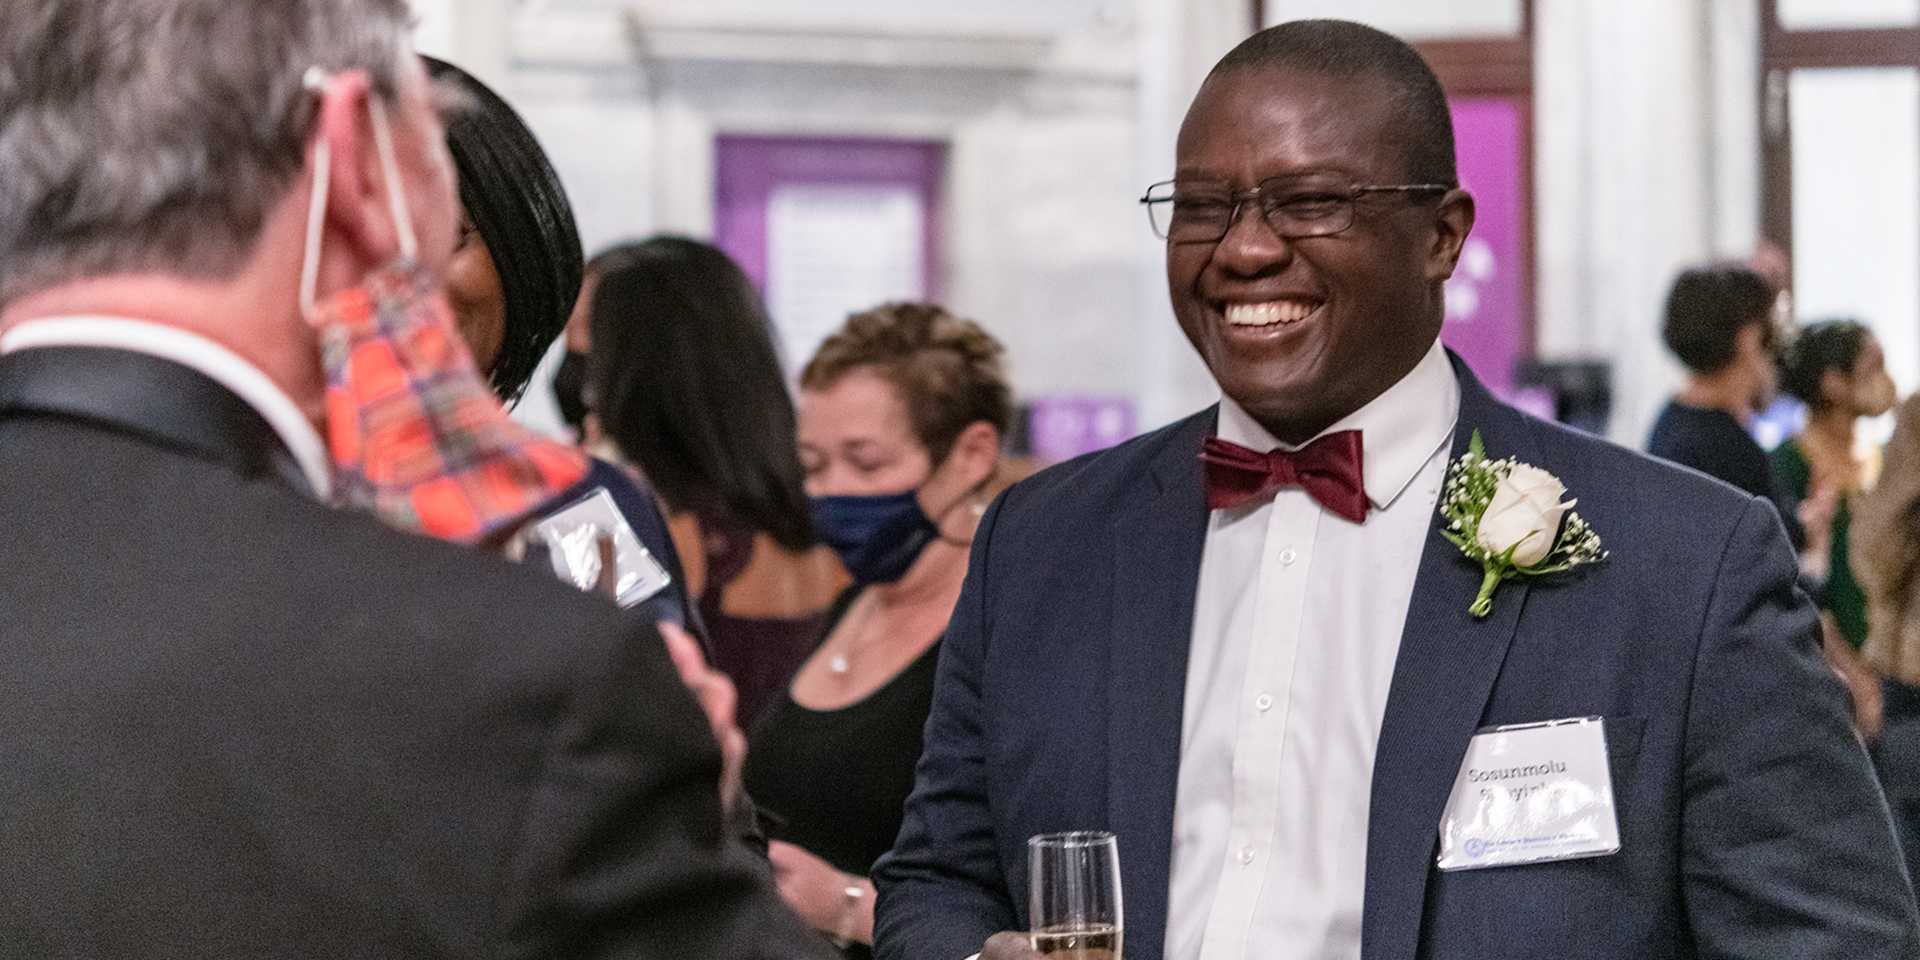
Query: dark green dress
[(1843, 598)]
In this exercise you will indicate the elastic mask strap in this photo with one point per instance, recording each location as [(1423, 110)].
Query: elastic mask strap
[(396, 194), (316, 81)]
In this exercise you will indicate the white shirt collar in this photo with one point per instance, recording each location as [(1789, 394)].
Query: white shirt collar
[(1399, 431), (197, 353)]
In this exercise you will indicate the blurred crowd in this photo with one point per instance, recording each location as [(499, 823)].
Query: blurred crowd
[(1851, 505)]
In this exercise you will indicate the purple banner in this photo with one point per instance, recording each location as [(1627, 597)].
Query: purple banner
[(748, 169), (1064, 427), (1486, 299)]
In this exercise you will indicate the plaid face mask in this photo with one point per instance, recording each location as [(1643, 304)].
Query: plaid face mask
[(416, 437)]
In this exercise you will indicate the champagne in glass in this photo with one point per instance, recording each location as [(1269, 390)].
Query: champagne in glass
[(1089, 944), (1074, 895)]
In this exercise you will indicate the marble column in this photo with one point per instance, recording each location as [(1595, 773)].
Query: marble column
[(1644, 165)]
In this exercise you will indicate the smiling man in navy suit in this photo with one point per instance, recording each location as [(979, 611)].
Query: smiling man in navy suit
[(1243, 642)]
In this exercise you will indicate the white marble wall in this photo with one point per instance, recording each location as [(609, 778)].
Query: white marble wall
[(1610, 164), (1647, 162), (1179, 41), (1058, 112), (1037, 102)]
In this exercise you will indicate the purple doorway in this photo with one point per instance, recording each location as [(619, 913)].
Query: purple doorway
[(1487, 297), (825, 226)]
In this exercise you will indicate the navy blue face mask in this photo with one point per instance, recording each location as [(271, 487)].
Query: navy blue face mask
[(877, 538)]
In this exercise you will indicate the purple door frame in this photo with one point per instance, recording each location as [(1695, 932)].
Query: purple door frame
[(1492, 334), (747, 170)]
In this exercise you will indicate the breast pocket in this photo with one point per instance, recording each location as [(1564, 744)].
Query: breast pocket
[(1550, 908)]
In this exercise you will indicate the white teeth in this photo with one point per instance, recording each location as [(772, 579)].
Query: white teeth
[(1282, 312)]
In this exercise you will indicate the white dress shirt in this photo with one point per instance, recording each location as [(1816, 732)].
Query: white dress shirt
[(1297, 623), (201, 355)]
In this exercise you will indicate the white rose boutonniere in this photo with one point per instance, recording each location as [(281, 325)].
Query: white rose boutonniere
[(1509, 516)]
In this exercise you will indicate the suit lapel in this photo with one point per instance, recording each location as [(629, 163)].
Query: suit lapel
[(1157, 538), (155, 399), (1444, 675)]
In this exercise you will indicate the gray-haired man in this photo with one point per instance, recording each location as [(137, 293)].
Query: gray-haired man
[(233, 721)]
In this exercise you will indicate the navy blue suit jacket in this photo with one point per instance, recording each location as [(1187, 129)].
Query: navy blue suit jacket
[(1750, 822)]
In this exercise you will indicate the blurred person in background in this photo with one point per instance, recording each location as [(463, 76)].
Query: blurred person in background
[(687, 384), (1771, 261), (570, 379), (1839, 371), (572, 382), (902, 414), (1836, 368), (513, 282), (1885, 557), (288, 730), (1719, 325)]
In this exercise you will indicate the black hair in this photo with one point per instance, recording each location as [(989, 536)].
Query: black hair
[(1706, 310), (687, 381), (517, 205), (1338, 48), (1816, 349), (617, 253)]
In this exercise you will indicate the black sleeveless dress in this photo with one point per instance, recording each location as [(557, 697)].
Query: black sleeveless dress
[(837, 780)]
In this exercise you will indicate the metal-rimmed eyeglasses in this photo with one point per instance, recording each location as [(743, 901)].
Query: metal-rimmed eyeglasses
[(1296, 207)]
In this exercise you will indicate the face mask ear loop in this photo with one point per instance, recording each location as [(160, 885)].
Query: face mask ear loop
[(390, 167), (315, 83)]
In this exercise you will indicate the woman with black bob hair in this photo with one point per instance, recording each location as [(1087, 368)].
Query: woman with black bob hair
[(515, 276), (687, 382), (513, 282)]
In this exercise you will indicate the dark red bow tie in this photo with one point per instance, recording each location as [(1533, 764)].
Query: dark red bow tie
[(1328, 469)]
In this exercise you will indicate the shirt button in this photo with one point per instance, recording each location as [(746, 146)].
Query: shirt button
[(1246, 856), (1287, 557), (1264, 702)]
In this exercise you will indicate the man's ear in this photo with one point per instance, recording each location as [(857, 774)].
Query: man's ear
[(359, 214), (1452, 222)]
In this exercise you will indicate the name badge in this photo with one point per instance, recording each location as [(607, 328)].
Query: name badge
[(572, 537), (1531, 792)]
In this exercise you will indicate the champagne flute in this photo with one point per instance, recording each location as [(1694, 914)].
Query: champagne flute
[(1074, 895)]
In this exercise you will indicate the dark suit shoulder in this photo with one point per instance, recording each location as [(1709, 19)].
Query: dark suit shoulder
[(292, 684), (1636, 495), (462, 594), (1598, 453), (313, 570)]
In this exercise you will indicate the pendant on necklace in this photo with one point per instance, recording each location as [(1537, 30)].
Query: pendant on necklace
[(839, 663)]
